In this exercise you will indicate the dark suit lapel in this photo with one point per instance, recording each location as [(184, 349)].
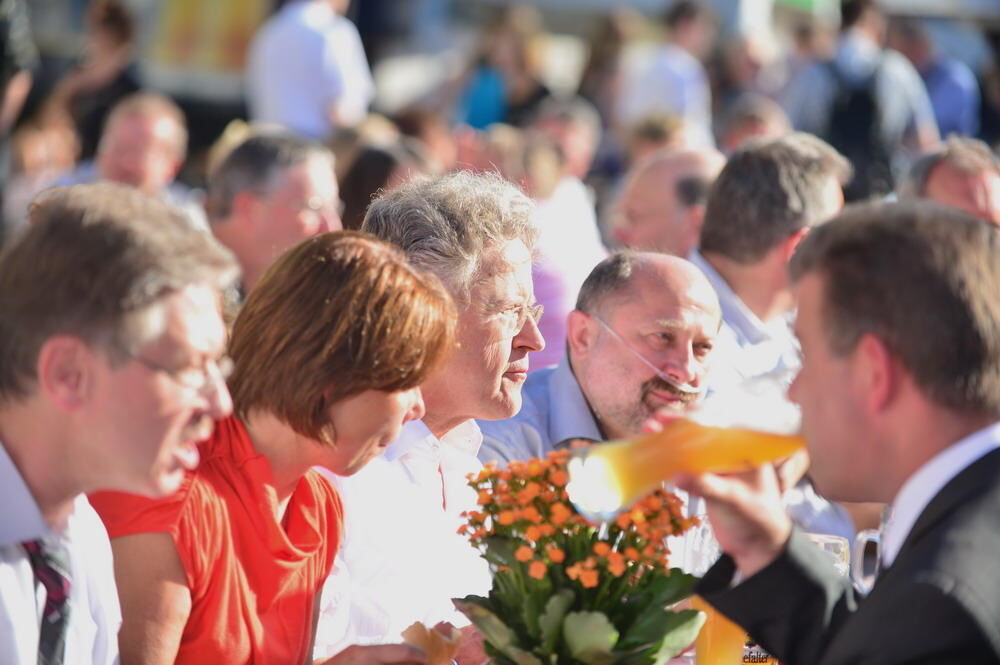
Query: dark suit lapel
[(974, 479)]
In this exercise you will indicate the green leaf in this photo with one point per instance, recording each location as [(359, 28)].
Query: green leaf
[(649, 629), (641, 655), (590, 637), (500, 551), (531, 609), (495, 631), (551, 620), (682, 629), (671, 588)]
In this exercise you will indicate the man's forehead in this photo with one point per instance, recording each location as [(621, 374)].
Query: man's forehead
[(189, 318), (664, 310)]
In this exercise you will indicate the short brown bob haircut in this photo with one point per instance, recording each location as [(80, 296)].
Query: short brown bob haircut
[(334, 316)]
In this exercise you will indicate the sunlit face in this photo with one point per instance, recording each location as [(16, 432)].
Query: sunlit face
[(140, 150), (366, 424), (483, 376), (832, 413), (149, 413), (976, 193), (304, 202), (673, 325)]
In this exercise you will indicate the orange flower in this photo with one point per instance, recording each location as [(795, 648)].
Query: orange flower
[(623, 520), (589, 579), (559, 514), (535, 467), (547, 529), (632, 554), (532, 515), (533, 533), (537, 570), (523, 553), (601, 548), (556, 555), (506, 517), (616, 564), (464, 529), (558, 477), (484, 498), (530, 491), (574, 571)]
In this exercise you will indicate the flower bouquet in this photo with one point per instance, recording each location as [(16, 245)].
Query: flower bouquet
[(566, 591)]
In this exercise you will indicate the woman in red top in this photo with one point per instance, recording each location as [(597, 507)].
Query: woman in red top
[(327, 355)]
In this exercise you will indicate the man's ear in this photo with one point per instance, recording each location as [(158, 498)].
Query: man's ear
[(791, 243), (66, 369), (695, 219), (581, 332), (877, 371)]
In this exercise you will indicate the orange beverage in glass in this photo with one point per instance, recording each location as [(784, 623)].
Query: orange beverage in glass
[(608, 477), (720, 641)]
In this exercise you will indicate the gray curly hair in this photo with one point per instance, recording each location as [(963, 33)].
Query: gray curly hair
[(450, 223)]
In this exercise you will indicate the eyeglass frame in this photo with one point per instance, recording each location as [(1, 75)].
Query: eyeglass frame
[(223, 367), (524, 312)]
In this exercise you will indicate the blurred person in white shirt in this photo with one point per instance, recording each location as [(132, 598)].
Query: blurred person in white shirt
[(674, 80), (307, 70)]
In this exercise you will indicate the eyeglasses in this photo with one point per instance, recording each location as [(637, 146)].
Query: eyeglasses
[(195, 379), (514, 318), (682, 387)]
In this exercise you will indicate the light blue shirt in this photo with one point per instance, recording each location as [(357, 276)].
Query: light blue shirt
[(554, 409)]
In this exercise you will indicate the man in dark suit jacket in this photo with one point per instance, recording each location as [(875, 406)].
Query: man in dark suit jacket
[(899, 321)]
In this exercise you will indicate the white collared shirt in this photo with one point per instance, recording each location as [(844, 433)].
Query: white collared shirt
[(920, 488), (746, 347), (401, 559), (95, 616)]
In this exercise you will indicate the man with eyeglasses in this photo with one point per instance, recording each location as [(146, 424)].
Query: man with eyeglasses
[(401, 558), (112, 343), (640, 340), (271, 192)]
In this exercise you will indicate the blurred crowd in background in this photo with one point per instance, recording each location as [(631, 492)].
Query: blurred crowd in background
[(564, 99)]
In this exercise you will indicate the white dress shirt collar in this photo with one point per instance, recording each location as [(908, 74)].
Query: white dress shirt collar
[(920, 488), (466, 438), (22, 517), (747, 325)]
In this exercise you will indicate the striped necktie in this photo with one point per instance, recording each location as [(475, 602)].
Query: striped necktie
[(51, 566)]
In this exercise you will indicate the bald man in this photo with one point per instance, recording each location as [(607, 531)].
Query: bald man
[(663, 202), (642, 330)]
